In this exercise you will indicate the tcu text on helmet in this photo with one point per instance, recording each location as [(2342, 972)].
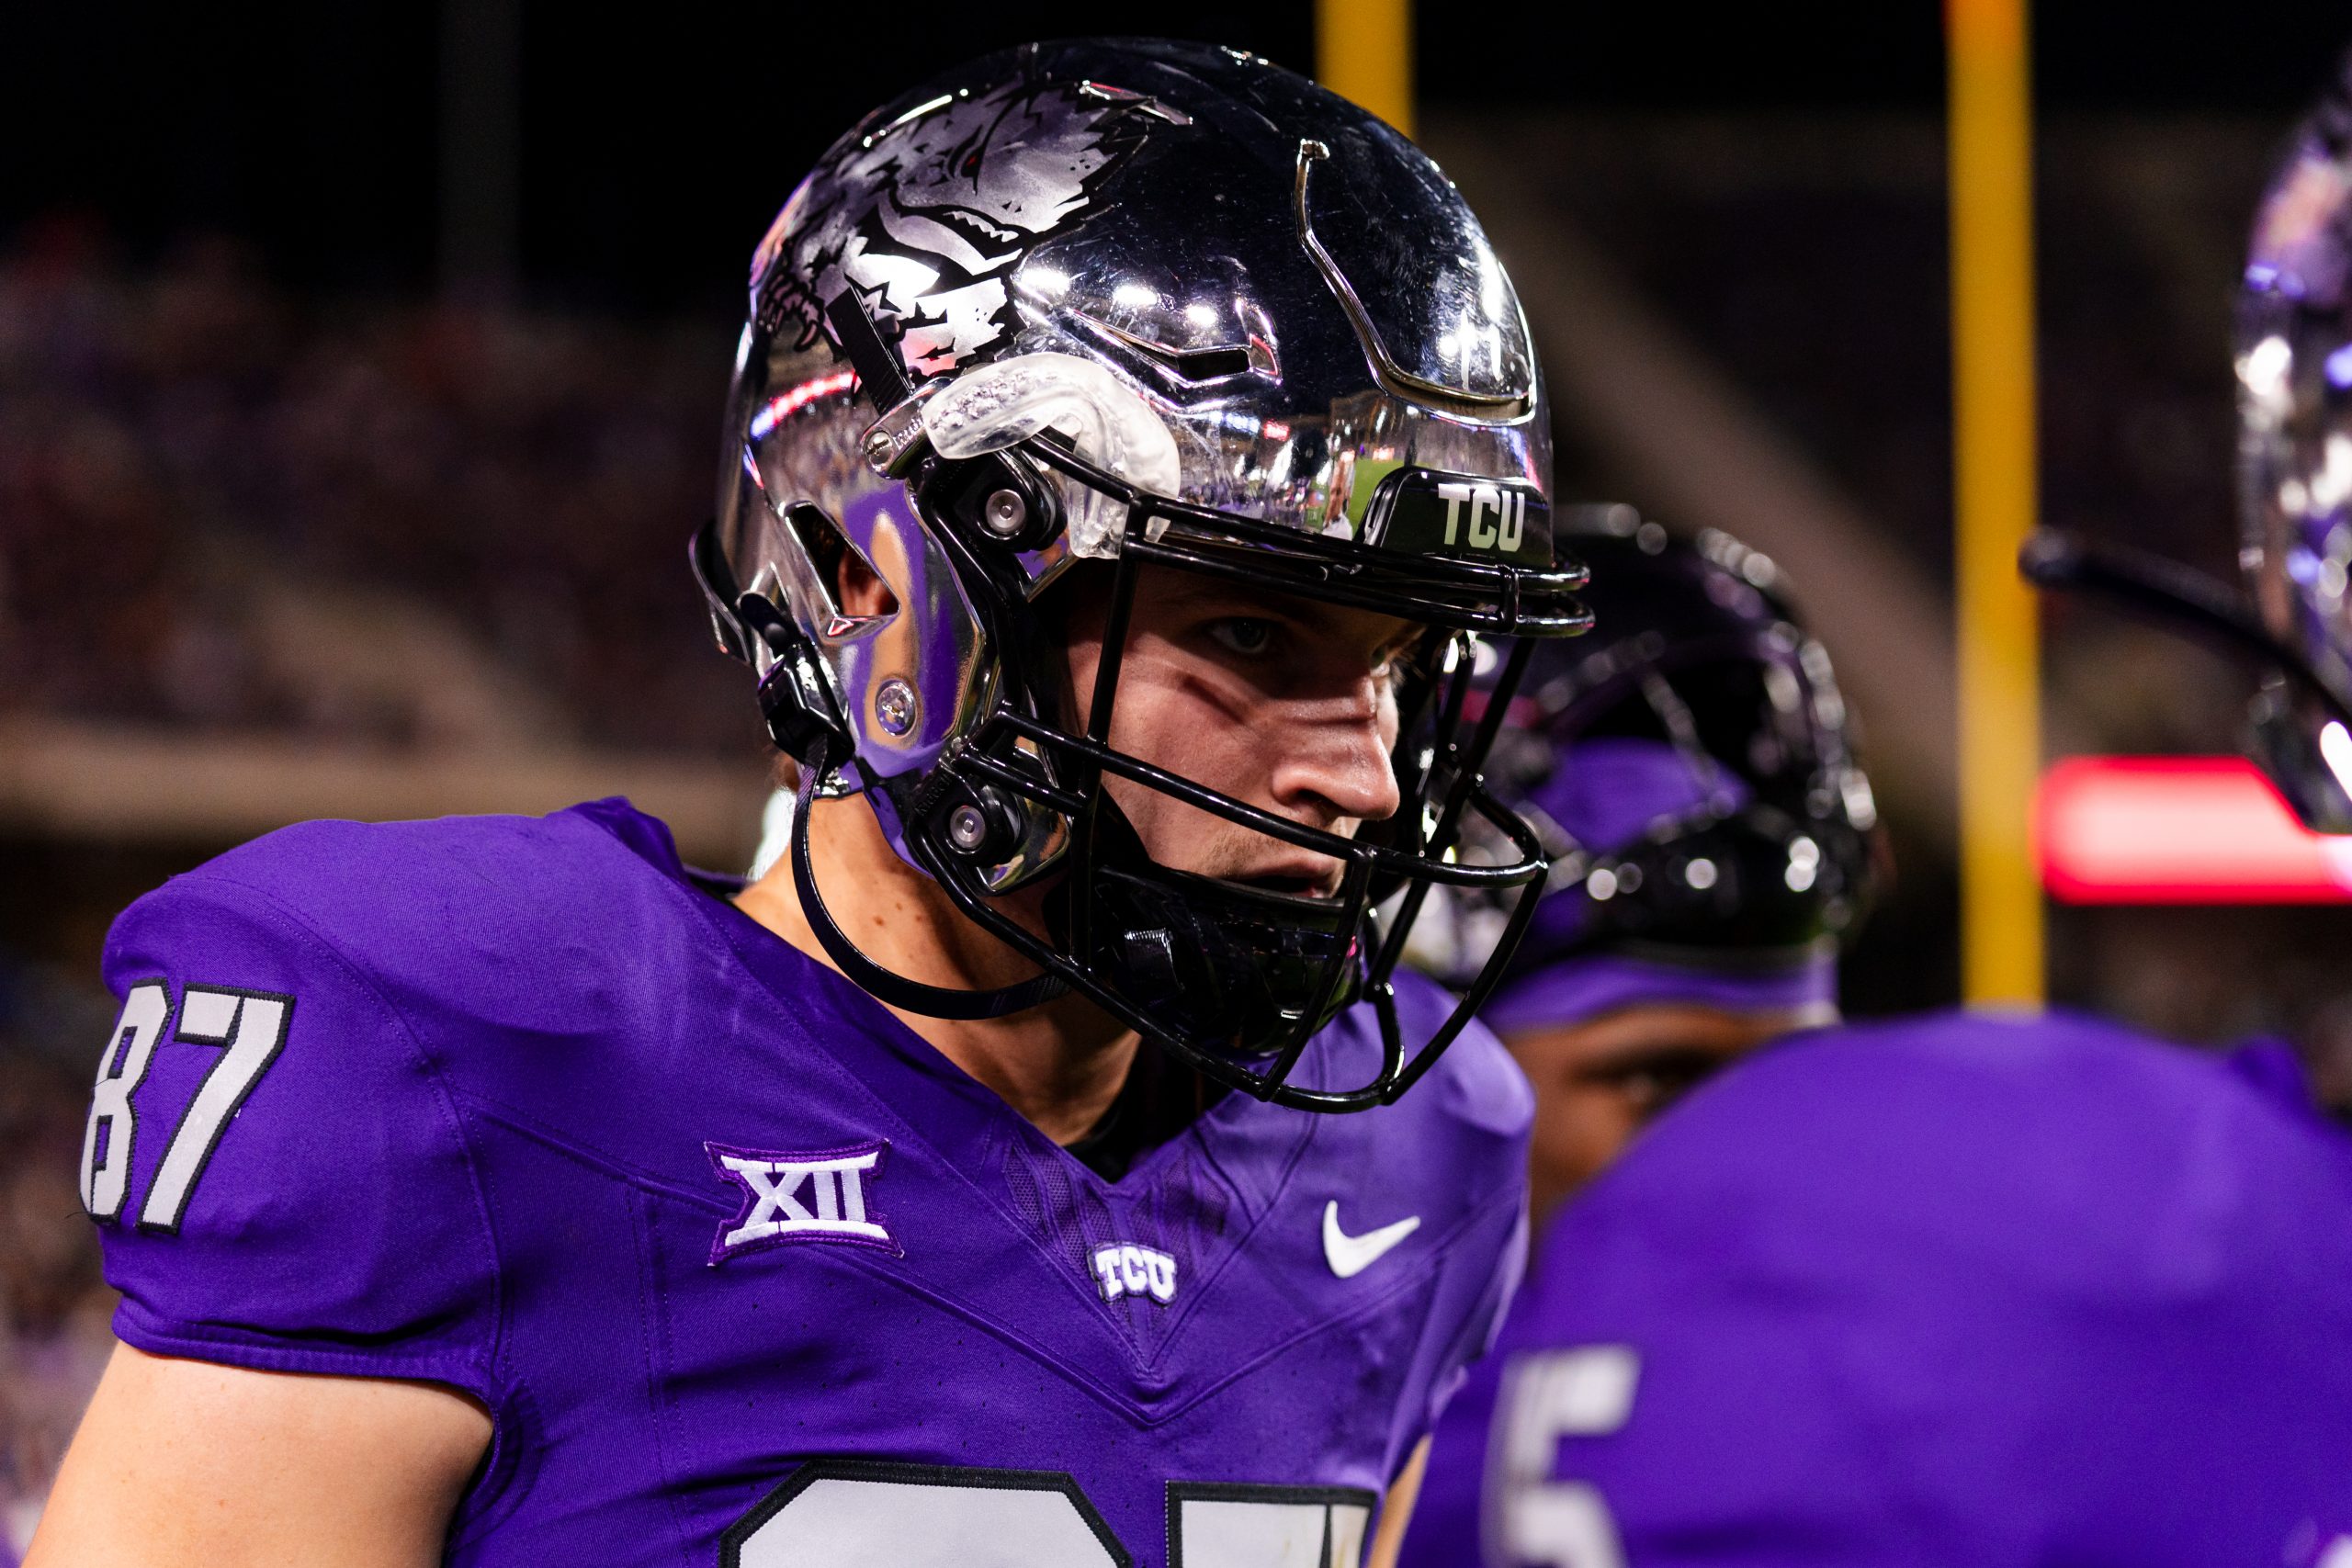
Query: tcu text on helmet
[(1510, 511)]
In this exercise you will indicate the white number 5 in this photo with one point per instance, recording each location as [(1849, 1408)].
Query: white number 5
[(1587, 1392), (250, 1026)]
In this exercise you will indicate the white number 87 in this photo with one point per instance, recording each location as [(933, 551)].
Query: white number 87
[(250, 1026)]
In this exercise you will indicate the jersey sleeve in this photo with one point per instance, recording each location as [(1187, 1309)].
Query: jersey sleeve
[(279, 1178)]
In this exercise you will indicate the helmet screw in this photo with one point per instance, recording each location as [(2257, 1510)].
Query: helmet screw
[(1006, 514), (968, 828), (879, 449), (894, 705)]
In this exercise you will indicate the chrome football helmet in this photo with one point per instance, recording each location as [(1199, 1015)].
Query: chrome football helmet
[(1132, 303), (2294, 374), (2293, 361)]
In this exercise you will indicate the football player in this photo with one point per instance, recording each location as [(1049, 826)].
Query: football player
[(1134, 452), (1970, 1291), (1689, 763)]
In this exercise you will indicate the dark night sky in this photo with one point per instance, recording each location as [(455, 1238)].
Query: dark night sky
[(655, 150)]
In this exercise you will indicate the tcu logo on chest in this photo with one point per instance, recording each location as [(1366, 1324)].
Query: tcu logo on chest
[(824, 1196), (1129, 1271)]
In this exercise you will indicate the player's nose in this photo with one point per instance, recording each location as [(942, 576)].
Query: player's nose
[(1333, 764)]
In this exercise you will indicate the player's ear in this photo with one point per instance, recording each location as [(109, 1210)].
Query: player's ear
[(859, 590)]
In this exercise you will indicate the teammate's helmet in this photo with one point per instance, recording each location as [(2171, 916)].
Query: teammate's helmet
[(1691, 767), (1124, 303), (2294, 370), (2294, 374)]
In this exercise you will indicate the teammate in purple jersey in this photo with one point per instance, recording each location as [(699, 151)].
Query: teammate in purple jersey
[(1112, 517), (1944, 1291), (1959, 1291)]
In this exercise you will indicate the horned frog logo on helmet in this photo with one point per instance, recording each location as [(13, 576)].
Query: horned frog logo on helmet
[(925, 216)]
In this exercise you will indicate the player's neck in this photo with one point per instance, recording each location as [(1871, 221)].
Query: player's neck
[(1060, 1066)]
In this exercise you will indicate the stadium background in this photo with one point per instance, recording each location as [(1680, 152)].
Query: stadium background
[(360, 368)]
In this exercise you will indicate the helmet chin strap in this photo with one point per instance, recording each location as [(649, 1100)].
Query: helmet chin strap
[(885, 985)]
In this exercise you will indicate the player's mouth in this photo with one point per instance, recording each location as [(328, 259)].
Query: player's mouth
[(1320, 880)]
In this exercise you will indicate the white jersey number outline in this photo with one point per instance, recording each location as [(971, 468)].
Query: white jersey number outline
[(837, 1513), (249, 1028)]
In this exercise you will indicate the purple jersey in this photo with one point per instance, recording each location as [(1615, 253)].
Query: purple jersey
[(1947, 1291), (745, 1271)]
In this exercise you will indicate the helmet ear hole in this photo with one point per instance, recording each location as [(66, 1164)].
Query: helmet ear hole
[(860, 590), (857, 595)]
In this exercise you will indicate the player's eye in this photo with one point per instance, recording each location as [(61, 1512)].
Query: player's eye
[(1390, 660), (1652, 1082), (1245, 634)]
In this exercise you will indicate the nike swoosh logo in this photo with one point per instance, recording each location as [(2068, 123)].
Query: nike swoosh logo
[(1349, 1255)]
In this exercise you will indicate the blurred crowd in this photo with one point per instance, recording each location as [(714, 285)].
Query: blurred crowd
[(193, 463), (54, 1305), (229, 508)]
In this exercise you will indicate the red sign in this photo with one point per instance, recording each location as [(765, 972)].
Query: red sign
[(2179, 830)]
